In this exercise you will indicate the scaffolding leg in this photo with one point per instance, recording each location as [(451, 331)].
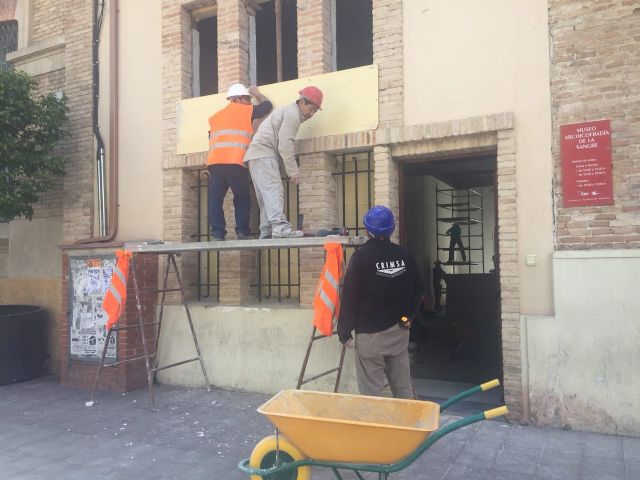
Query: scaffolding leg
[(344, 350), (160, 315), (144, 340), (193, 331), (104, 354)]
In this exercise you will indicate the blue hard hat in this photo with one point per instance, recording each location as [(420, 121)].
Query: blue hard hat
[(379, 221)]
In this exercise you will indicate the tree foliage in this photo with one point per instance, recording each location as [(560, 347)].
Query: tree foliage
[(31, 125)]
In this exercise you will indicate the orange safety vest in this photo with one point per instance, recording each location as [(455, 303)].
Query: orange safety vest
[(230, 134), (116, 296), (326, 305)]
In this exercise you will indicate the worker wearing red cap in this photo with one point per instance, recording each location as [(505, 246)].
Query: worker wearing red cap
[(272, 144)]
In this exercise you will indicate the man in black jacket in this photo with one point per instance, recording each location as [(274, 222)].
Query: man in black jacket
[(382, 285)]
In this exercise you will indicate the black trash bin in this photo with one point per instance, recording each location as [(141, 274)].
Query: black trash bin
[(22, 342)]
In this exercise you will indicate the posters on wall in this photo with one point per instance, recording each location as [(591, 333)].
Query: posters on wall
[(585, 149), (89, 279)]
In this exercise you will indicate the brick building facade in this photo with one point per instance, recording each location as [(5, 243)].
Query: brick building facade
[(591, 65)]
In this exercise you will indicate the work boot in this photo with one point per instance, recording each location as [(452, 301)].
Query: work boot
[(244, 236), (288, 234)]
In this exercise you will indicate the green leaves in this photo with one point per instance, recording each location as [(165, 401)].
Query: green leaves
[(31, 125)]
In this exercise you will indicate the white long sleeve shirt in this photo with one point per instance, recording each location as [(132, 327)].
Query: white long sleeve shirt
[(276, 136)]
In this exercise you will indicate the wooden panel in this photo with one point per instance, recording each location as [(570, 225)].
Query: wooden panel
[(350, 105)]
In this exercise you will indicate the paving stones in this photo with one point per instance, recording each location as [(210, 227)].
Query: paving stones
[(47, 432)]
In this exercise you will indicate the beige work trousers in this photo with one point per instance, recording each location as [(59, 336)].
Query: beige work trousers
[(382, 357)]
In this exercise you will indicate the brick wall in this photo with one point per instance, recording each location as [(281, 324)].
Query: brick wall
[(385, 177), (387, 54), (318, 204), (128, 376), (50, 204), (314, 37), (49, 18), (595, 60), (78, 204)]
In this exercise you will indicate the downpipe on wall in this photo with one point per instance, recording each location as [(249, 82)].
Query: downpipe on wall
[(107, 194)]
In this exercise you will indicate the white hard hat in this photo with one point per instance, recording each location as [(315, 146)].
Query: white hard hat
[(238, 90)]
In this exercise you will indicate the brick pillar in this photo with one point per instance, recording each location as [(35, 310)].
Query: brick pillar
[(237, 268), (233, 43), (509, 279), (318, 204), (387, 54), (314, 37), (78, 149), (180, 223), (128, 376), (385, 178)]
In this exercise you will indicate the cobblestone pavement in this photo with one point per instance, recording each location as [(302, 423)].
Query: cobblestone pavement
[(47, 432)]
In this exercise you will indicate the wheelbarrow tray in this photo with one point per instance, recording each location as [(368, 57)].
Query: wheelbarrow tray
[(336, 427)]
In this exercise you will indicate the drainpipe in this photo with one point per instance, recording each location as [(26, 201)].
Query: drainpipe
[(107, 213)]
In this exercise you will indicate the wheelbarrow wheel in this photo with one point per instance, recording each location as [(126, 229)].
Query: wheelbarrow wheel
[(264, 456)]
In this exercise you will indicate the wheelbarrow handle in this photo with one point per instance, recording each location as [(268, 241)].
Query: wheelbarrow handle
[(441, 432), (467, 393)]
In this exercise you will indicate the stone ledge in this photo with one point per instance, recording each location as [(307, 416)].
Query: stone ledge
[(363, 140), (44, 57), (595, 254)]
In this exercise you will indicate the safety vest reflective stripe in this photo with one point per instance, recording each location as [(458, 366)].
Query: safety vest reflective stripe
[(213, 146), (326, 304), (115, 293), (218, 133), (116, 296)]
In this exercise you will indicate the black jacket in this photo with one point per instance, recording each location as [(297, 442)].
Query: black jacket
[(381, 285)]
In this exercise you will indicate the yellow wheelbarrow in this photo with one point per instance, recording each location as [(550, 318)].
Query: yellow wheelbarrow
[(350, 432)]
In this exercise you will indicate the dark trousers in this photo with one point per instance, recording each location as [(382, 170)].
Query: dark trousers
[(221, 178), (452, 246)]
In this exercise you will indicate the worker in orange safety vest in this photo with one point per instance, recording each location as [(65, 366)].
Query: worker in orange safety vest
[(230, 132), (326, 305)]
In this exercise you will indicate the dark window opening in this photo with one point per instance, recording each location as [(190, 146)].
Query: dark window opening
[(266, 47), (8, 41), (354, 33), (208, 32)]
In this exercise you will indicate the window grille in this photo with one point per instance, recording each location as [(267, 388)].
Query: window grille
[(8, 41), (278, 273), (354, 176), (208, 270)]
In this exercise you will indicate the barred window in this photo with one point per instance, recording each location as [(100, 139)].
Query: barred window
[(278, 273), (277, 276), (208, 270), (8, 41), (354, 176)]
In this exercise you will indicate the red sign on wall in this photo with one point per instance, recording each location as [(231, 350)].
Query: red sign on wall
[(585, 150)]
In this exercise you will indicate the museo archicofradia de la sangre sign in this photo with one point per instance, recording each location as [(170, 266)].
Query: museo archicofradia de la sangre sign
[(585, 150)]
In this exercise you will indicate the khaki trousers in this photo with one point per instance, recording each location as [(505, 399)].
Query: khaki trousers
[(382, 357)]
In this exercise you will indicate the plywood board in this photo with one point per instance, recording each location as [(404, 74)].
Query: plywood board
[(350, 105)]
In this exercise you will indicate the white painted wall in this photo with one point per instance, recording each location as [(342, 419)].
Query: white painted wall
[(466, 59), (246, 348), (583, 364)]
